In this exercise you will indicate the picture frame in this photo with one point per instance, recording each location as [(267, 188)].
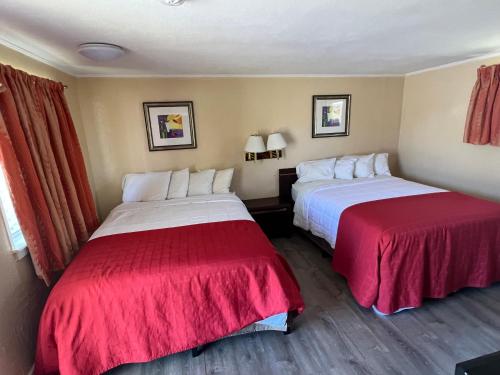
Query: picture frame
[(170, 125), (331, 115)]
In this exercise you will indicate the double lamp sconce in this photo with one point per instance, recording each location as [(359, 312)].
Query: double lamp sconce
[(256, 150)]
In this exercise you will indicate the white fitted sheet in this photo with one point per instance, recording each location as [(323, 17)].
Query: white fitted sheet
[(319, 204), (141, 216)]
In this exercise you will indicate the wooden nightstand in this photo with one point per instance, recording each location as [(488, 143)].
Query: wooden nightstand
[(272, 214)]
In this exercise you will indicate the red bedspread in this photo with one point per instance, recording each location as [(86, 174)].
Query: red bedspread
[(396, 252), (139, 296)]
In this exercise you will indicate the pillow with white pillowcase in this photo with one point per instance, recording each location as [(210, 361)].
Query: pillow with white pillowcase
[(144, 187), (382, 164), (344, 169), (364, 166), (179, 184), (201, 183), (314, 170), (222, 181)]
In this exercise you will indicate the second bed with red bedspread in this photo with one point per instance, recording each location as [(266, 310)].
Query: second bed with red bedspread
[(396, 252), (398, 242)]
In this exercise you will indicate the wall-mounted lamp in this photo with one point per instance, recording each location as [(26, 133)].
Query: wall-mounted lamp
[(275, 145), (254, 147), (256, 150)]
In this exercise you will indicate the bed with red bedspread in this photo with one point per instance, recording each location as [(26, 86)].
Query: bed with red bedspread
[(396, 252), (134, 297), (398, 242)]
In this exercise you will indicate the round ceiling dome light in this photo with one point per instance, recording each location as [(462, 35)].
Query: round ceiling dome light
[(173, 3), (100, 51)]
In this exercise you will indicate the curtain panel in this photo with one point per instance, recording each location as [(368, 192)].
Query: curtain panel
[(45, 170), (482, 125)]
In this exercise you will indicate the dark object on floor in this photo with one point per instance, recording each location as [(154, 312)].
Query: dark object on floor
[(485, 365), (289, 322), (195, 352)]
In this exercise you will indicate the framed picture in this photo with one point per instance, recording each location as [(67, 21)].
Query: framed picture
[(331, 115), (170, 125)]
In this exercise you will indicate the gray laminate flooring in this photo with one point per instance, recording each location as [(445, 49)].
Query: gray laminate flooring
[(336, 336)]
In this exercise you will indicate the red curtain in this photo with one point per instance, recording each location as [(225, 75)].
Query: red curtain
[(44, 168), (483, 117)]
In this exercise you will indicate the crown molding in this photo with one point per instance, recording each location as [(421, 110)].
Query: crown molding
[(145, 75), (455, 63), (26, 52)]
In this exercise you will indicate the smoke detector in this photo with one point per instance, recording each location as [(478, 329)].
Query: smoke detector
[(173, 3)]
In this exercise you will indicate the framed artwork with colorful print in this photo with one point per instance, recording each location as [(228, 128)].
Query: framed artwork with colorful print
[(331, 115), (170, 125)]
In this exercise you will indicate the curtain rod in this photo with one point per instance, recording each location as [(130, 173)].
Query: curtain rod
[(2, 87)]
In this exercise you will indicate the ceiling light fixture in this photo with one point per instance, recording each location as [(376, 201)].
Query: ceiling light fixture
[(100, 51), (173, 3)]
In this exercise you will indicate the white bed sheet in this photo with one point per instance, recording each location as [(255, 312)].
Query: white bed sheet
[(141, 216), (319, 204)]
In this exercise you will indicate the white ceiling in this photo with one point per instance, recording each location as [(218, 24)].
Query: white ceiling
[(254, 37)]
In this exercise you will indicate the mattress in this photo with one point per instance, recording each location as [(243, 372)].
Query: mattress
[(319, 204)]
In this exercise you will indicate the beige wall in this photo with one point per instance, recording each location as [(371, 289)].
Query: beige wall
[(432, 125), (22, 295), (227, 111)]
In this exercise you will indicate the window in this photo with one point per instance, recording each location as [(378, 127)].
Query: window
[(10, 219)]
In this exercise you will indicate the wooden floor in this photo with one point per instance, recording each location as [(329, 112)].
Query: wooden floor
[(336, 336)]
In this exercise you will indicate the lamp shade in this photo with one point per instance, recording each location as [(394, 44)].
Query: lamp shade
[(254, 144), (275, 142)]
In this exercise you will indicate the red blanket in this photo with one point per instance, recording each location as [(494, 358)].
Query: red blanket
[(139, 296), (396, 252)]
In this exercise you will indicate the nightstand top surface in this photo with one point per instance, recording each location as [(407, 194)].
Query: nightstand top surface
[(265, 203)]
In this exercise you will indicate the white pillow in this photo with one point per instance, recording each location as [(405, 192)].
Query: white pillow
[(364, 165), (143, 187), (316, 170), (200, 183), (344, 169), (382, 165), (222, 180), (179, 184)]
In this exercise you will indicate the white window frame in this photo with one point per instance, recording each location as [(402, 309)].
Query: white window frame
[(18, 253)]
